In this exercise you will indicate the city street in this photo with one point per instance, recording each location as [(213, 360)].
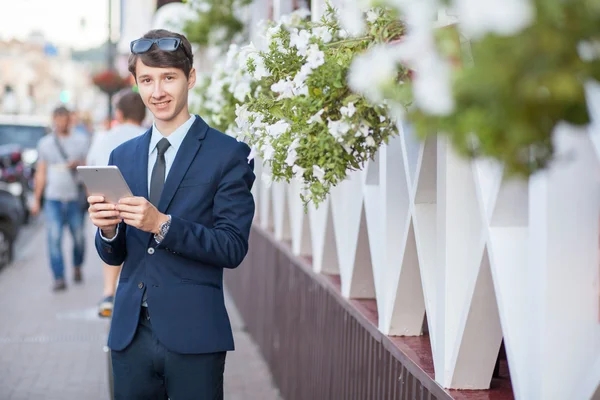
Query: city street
[(52, 346)]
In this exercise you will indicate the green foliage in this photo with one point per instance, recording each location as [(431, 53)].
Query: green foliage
[(521, 86)]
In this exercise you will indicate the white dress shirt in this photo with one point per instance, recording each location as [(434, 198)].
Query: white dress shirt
[(175, 139)]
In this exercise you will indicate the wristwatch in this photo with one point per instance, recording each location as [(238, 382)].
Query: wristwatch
[(162, 231)]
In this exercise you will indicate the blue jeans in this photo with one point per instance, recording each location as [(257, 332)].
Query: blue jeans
[(58, 214)]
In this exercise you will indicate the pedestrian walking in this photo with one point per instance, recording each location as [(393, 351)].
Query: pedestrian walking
[(62, 195)]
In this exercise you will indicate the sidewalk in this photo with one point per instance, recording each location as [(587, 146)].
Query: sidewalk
[(52, 345)]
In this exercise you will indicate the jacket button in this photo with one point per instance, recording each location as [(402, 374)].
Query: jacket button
[(151, 250), (141, 285)]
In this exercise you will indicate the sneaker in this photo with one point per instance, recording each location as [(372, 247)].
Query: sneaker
[(106, 306), (59, 285), (77, 276)]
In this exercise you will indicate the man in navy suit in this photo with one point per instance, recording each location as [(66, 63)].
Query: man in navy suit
[(188, 219)]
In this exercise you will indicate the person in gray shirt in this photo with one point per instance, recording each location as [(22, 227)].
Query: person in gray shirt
[(130, 112), (56, 182)]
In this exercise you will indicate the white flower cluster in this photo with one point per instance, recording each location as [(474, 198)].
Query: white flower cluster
[(305, 44), (249, 77), (432, 89)]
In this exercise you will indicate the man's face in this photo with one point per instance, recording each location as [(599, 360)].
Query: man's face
[(62, 122), (164, 90)]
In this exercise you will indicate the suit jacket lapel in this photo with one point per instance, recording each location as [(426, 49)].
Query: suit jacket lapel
[(141, 163), (185, 155)]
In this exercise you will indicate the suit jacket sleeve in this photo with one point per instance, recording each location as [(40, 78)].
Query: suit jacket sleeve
[(113, 252), (225, 244)]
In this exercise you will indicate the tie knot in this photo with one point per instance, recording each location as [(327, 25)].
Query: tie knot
[(162, 146)]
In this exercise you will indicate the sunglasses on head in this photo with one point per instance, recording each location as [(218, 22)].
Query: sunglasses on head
[(143, 45)]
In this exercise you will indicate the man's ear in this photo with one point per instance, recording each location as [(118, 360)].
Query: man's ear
[(192, 79)]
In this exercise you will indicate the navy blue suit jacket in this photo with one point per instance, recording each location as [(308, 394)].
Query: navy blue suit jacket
[(207, 193)]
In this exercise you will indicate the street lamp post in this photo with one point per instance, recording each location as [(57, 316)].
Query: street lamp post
[(110, 55)]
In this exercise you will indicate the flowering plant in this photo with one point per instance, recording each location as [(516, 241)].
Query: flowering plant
[(531, 60), (217, 22), (292, 104), (109, 81)]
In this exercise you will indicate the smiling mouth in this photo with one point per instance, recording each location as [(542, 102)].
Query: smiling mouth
[(161, 104)]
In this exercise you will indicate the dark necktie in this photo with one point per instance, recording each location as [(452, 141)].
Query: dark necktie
[(158, 172)]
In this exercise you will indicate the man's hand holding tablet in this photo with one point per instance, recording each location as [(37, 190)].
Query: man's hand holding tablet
[(104, 215)]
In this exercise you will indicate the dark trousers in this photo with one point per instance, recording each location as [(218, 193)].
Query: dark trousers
[(146, 370)]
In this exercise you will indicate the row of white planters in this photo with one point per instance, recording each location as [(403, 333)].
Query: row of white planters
[(428, 233)]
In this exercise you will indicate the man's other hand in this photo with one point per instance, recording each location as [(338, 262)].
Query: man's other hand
[(141, 214)]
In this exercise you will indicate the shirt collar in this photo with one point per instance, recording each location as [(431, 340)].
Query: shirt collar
[(175, 138)]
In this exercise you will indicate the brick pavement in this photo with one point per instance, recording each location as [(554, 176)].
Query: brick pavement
[(52, 345)]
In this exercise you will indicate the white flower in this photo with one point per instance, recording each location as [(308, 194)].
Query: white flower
[(372, 16), (588, 51), (302, 13), (298, 171), (363, 130), (503, 17), (302, 90), (242, 89), (318, 173), (348, 110), (300, 40), (317, 117), (432, 87), (285, 88), (302, 75), (322, 32), (268, 152), (381, 118), (291, 157), (252, 154), (371, 71), (295, 144), (315, 57), (280, 47), (258, 124), (245, 53), (278, 128), (260, 70), (272, 31), (243, 117), (351, 19), (295, 17), (370, 141), (338, 129)]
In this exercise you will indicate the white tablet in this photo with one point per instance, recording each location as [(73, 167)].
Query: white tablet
[(105, 181)]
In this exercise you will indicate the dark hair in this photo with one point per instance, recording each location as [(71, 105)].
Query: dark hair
[(158, 58), (131, 105), (61, 110)]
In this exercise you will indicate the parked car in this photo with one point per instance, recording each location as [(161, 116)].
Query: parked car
[(11, 218), (19, 137), (15, 174)]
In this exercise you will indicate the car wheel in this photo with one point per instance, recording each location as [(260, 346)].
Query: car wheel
[(6, 246)]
